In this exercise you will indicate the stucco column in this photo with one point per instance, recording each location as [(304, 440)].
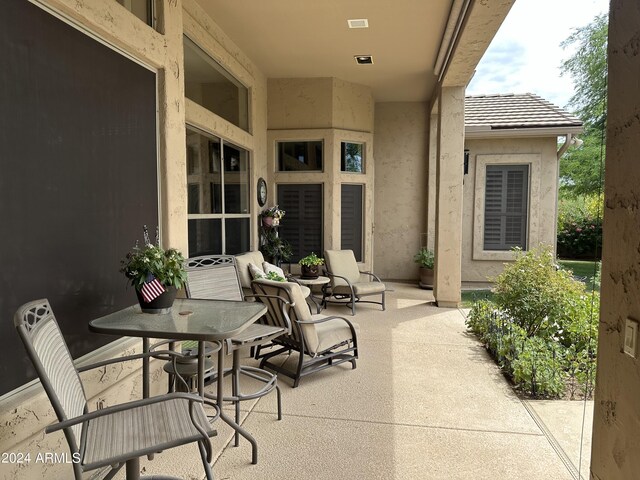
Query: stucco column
[(449, 176), (171, 144), (431, 181), (616, 420)]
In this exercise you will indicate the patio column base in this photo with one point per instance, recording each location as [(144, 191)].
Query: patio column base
[(447, 304)]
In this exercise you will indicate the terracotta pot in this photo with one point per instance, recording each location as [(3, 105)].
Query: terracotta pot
[(426, 277), (161, 304), (309, 272)]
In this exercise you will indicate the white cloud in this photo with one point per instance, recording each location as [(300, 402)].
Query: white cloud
[(525, 55)]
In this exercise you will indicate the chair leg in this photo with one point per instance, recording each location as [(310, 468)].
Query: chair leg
[(235, 390), (279, 397), (383, 302), (353, 305), (207, 467)]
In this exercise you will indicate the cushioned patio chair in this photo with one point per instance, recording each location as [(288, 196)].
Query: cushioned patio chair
[(215, 277), (256, 258), (348, 282), (321, 341), (117, 435)]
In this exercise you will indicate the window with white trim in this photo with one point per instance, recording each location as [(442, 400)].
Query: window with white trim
[(506, 207), (218, 196)]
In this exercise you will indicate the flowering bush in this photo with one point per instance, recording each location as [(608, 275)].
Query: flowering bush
[(579, 238), (142, 262)]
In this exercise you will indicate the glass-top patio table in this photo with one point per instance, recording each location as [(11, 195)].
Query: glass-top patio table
[(189, 319)]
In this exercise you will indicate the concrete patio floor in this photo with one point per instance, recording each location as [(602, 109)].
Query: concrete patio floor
[(425, 402)]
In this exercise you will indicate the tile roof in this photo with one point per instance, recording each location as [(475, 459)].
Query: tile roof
[(509, 111)]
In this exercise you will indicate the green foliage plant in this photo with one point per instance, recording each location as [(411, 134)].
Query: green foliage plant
[(580, 167), (275, 248), (541, 326), (165, 265), (534, 292), (311, 260), (425, 258)]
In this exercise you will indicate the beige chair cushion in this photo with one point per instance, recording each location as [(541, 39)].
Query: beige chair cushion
[(331, 332), (255, 271), (300, 308), (242, 262), (366, 288), (343, 263)]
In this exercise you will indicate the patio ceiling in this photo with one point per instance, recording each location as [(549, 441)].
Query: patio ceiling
[(294, 38)]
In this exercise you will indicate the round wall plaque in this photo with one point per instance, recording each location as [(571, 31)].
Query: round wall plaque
[(262, 192)]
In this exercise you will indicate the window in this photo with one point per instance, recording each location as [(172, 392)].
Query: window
[(506, 206), (143, 9), (351, 219), (302, 224), (352, 157), (300, 156), (208, 84), (218, 196)]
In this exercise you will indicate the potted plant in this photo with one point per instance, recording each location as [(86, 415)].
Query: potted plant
[(426, 260), (310, 265), (272, 216), (274, 249), (155, 273)]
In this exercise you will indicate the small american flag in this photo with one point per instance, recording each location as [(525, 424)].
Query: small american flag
[(151, 289)]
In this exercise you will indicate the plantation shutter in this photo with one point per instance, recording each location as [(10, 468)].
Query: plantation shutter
[(351, 219), (302, 223), (505, 210)]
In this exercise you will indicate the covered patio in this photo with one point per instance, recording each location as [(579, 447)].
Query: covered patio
[(425, 401)]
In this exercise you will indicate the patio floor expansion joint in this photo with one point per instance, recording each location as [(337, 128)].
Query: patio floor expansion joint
[(573, 471), (402, 424)]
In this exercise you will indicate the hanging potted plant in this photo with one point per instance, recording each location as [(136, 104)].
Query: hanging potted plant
[(275, 249), (271, 216), (426, 260), (310, 265), (155, 273)]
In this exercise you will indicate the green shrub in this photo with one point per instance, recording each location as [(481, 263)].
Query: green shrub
[(538, 368), (534, 293), (541, 327), (579, 226), (580, 238)]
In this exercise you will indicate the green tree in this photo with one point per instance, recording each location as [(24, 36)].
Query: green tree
[(580, 167)]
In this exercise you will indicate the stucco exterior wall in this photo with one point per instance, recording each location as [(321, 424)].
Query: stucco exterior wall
[(333, 111), (24, 414), (616, 420), (401, 149), (541, 155)]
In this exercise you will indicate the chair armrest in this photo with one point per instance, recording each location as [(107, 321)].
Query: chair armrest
[(372, 275), (332, 317), (192, 397), (284, 305), (161, 354), (331, 276), (126, 358)]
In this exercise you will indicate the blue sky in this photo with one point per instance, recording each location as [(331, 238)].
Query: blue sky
[(525, 55)]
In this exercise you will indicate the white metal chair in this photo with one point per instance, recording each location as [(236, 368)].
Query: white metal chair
[(117, 435)]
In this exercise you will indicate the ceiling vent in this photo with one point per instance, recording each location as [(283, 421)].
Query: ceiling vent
[(358, 23), (364, 59)]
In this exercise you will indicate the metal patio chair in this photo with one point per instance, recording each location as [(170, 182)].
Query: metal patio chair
[(321, 341), (117, 435), (348, 282), (215, 277)]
